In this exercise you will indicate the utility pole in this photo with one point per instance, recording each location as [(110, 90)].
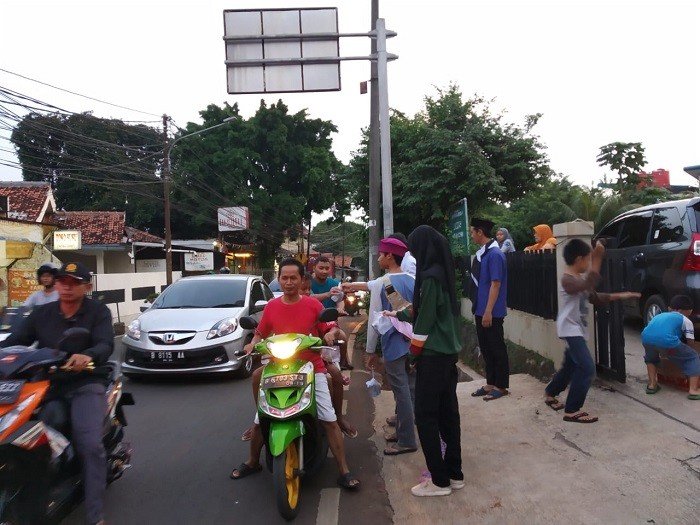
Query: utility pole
[(342, 264), (166, 203), (384, 129), (374, 156)]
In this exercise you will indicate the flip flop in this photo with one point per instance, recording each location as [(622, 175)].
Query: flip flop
[(495, 394), (346, 481), (245, 470), (554, 404), (694, 397), (351, 435), (654, 390), (577, 418), (396, 450), (481, 392), (391, 438)]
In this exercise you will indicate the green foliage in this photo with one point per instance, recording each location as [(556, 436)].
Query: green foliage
[(94, 164), (454, 148), (328, 236)]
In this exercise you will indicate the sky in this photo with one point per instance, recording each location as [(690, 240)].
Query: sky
[(598, 71)]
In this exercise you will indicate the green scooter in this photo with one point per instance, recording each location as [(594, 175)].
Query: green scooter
[(296, 444)]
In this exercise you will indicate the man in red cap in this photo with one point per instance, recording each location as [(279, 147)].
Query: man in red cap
[(393, 291)]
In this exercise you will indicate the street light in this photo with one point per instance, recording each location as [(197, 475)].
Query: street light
[(166, 189)]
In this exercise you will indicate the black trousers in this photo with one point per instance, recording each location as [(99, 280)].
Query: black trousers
[(437, 414), (493, 348)]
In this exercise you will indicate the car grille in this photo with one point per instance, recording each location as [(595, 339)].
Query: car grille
[(171, 338), (193, 358)]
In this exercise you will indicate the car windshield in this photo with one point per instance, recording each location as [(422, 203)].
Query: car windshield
[(201, 293)]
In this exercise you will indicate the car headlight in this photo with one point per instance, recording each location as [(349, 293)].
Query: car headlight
[(283, 349), (8, 419), (134, 330), (224, 327)]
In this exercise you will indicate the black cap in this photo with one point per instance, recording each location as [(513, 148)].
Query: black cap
[(484, 225), (76, 270)]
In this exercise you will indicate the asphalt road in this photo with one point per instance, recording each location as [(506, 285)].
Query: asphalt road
[(185, 435)]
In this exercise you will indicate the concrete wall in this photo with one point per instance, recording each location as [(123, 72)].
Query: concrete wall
[(127, 281), (117, 262)]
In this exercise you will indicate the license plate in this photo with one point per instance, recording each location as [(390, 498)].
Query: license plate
[(285, 381), (167, 357), (9, 391)]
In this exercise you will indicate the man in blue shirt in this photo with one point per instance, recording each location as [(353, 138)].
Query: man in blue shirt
[(489, 274), (322, 285)]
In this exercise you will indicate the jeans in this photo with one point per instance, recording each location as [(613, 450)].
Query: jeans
[(437, 414), (403, 385), (577, 372), (88, 407), (493, 347)]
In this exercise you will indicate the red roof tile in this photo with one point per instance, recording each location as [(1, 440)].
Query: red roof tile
[(97, 227), (27, 199), (141, 236)]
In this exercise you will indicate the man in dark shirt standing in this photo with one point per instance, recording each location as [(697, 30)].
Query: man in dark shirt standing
[(84, 394)]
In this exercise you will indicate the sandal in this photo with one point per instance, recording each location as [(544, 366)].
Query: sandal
[(495, 394), (653, 390), (481, 392), (244, 470), (579, 418), (554, 404), (694, 397), (347, 481), (352, 434), (391, 438), (396, 450)]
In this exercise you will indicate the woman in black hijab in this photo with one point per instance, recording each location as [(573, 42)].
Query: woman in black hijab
[(435, 342)]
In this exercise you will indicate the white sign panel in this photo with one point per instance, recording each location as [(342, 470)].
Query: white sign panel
[(233, 219), (199, 261), (252, 37), (150, 265), (67, 240)]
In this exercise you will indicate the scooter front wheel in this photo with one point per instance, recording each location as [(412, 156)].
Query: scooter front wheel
[(285, 475)]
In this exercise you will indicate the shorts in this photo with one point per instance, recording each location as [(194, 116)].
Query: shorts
[(324, 404), (682, 356)]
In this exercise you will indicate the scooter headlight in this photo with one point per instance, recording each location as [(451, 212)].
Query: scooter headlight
[(8, 419), (283, 349)]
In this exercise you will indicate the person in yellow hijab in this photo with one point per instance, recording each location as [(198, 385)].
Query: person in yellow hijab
[(544, 239)]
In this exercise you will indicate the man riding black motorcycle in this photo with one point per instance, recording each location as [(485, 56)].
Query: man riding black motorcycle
[(80, 394)]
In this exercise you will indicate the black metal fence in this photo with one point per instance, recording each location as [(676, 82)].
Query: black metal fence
[(532, 283)]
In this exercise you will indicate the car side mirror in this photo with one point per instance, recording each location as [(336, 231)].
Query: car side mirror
[(248, 323), (143, 308), (328, 315)]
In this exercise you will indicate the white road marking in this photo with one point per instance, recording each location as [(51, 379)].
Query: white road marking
[(328, 507)]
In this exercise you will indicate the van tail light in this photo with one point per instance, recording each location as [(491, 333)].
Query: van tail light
[(692, 259)]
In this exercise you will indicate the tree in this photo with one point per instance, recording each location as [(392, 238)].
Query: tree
[(332, 236), (279, 165), (626, 159), (453, 149), (94, 164)]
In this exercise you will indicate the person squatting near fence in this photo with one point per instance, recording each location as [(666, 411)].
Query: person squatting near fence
[(488, 289), (544, 239), (673, 335), (436, 344), (576, 289), (392, 291)]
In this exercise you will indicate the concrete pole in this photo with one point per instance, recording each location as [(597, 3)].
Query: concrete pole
[(166, 203), (374, 153), (384, 129)]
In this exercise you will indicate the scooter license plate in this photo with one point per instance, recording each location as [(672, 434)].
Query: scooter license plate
[(9, 391), (285, 381)]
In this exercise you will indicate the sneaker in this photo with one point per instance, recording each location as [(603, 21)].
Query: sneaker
[(456, 484), (428, 488)]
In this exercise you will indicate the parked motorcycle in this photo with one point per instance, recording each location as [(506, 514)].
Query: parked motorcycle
[(296, 444), (40, 478)]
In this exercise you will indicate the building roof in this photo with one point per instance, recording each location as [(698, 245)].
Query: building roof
[(28, 201), (96, 227), (135, 235)]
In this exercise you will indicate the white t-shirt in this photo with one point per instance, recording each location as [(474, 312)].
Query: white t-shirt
[(40, 298)]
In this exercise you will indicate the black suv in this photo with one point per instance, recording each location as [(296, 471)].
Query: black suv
[(658, 249)]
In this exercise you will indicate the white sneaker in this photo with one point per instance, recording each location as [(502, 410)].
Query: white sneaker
[(428, 488), (456, 484)]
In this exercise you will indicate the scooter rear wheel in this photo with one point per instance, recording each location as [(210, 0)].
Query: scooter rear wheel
[(285, 476)]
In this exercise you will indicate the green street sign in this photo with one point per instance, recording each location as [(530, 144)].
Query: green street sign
[(459, 228)]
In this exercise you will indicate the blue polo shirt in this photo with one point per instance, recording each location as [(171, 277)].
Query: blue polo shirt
[(493, 268), (318, 287)]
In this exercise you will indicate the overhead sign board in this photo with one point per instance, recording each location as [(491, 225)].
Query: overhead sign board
[(282, 50), (67, 240), (233, 219), (199, 261), (459, 228)]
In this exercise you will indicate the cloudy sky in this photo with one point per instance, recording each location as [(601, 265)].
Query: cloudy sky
[(599, 71)]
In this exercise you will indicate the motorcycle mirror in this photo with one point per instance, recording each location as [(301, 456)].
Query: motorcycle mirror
[(248, 323), (328, 315)]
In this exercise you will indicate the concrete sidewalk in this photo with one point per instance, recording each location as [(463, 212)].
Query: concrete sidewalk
[(523, 464)]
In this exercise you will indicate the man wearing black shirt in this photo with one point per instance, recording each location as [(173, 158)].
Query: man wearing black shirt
[(85, 395)]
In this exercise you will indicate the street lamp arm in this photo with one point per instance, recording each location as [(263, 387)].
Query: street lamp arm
[(226, 121)]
